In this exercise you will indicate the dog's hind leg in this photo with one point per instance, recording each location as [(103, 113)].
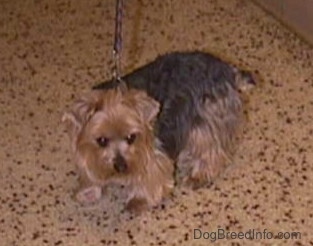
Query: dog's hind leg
[(211, 140)]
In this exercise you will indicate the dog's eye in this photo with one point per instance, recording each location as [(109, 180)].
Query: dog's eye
[(103, 141), (131, 138)]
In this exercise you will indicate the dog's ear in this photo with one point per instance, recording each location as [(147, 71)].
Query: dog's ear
[(146, 106), (80, 113)]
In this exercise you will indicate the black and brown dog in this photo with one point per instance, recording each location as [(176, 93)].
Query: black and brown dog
[(194, 100)]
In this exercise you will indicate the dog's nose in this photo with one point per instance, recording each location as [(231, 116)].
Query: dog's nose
[(120, 164)]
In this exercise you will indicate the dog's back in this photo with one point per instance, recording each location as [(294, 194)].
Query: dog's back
[(183, 82)]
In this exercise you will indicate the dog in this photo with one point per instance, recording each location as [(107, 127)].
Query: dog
[(182, 111)]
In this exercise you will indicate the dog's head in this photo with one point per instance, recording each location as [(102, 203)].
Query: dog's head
[(111, 132)]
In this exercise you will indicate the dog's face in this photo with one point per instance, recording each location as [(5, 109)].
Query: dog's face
[(111, 132)]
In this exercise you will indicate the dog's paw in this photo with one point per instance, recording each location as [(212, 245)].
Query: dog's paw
[(137, 206), (195, 183), (89, 195)]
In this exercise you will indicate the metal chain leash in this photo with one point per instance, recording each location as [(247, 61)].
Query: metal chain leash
[(117, 48)]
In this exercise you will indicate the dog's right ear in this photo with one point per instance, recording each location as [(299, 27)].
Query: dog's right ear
[(80, 113), (146, 105)]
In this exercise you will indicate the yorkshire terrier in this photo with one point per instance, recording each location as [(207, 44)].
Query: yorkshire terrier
[(181, 111)]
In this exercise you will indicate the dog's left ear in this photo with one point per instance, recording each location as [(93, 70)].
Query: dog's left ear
[(146, 106), (79, 114)]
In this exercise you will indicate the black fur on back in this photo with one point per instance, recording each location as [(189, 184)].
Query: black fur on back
[(181, 82)]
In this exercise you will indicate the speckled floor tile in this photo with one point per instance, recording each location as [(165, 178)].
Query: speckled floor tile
[(52, 51)]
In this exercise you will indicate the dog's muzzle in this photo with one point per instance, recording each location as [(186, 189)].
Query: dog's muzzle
[(120, 164)]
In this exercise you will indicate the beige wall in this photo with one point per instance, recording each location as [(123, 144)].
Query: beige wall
[(298, 14)]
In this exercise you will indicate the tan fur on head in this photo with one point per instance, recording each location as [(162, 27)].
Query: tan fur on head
[(113, 140)]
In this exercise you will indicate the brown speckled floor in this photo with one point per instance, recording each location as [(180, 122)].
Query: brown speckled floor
[(51, 51)]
